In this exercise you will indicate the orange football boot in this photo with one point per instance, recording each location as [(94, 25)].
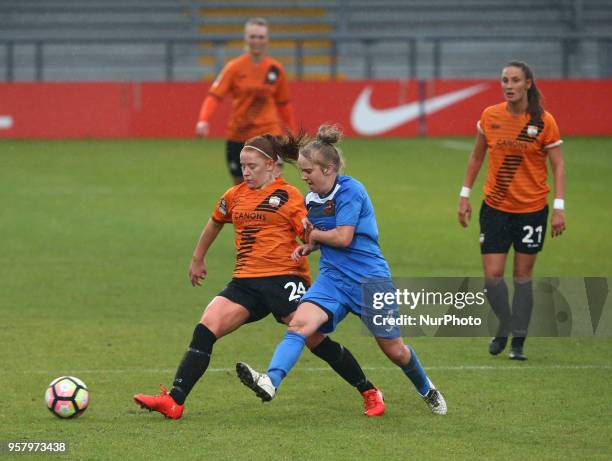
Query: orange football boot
[(373, 402), (162, 403)]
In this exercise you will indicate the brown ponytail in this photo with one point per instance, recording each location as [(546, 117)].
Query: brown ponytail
[(286, 148)]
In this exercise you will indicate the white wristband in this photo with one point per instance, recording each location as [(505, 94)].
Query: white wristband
[(465, 192), (559, 204)]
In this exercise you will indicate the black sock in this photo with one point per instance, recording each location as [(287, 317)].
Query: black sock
[(517, 342), (343, 363), (497, 294), (194, 363), (522, 306)]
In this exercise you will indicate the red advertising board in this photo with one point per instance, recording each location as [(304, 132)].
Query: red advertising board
[(363, 108)]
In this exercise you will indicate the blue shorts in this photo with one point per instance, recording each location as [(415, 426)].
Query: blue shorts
[(337, 297)]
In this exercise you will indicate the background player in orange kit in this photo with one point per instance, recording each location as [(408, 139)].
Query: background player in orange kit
[(267, 215), (520, 136), (260, 96)]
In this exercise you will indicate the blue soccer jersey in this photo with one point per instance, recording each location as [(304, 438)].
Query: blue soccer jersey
[(349, 279), (348, 204)]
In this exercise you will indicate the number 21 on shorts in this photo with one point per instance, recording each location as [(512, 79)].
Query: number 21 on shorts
[(529, 231)]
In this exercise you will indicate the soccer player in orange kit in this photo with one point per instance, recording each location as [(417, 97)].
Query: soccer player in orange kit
[(267, 215), (260, 96), (520, 137)]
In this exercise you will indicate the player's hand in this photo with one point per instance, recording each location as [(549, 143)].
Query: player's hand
[(308, 227), (197, 271), (302, 250), (202, 129), (557, 223), (465, 211)]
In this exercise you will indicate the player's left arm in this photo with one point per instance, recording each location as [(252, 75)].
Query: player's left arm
[(557, 222), (283, 103), (551, 144)]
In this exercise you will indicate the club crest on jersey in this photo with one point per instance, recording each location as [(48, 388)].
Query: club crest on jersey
[(330, 208), (223, 207), (272, 75), (274, 201), (532, 130)]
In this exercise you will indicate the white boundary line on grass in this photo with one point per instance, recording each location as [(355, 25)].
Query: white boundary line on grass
[(326, 369), (458, 145)]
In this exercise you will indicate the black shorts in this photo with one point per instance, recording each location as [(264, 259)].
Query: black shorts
[(232, 155), (277, 295), (500, 229)]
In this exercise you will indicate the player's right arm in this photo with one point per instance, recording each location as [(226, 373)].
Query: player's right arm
[(197, 268), (221, 216), (217, 92), (302, 227), (473, 168), (348, 211), (208, 109)]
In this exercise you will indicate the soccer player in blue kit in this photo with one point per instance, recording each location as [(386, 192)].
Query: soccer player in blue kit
[(343, 226)]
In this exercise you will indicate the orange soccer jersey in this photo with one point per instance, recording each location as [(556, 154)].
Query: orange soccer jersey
[(516, 177), (266, 223), (256, 89)]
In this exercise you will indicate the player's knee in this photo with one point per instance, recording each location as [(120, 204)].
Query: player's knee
[(214, 325), (307, 320), (397, 352), (298, 326), (218, 325), (522, 275)]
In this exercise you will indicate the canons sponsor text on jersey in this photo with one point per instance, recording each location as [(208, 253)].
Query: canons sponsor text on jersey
[(253, 215), (511, 143)]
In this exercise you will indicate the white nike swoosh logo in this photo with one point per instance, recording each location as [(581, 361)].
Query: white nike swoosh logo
[(369, 121)]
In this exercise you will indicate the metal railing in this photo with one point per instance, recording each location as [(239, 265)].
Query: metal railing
[(168, 57)]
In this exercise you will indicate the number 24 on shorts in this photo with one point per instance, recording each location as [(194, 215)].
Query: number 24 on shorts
[(297, 290)]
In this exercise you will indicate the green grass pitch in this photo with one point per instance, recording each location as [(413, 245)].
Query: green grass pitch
[(96, 237)]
